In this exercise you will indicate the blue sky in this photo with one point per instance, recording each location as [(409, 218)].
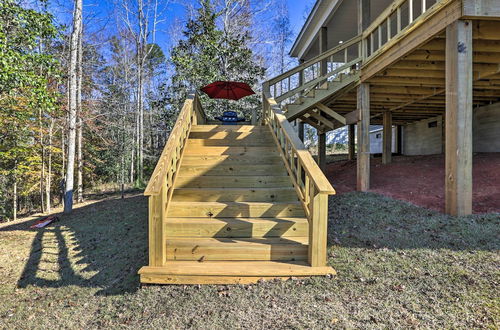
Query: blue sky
[(101, 12)]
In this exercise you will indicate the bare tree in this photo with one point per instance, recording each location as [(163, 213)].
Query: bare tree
[(73, 96)]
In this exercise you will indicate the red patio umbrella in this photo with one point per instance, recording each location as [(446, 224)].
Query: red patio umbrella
[(229, 90)]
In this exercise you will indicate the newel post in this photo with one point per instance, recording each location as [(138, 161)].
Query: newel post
[(318, 225), (157, 216)]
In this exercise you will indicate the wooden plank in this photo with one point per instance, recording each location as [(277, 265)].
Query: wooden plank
[(481, 8), (352, 142), (341, 119), (231, 160), (318, 231), (363, 164), (231, 135), (322, 151), (228, 128), (211, 249), (235, 209), (241, 151), (321, 119), (249, 182), (226, 143), (459, 54), (352, 117), (237, 227), (387, 140), (287, 194), (239, 170)]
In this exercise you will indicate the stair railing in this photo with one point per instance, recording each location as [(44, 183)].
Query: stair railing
[(312, 187), (334, 64), (161, 184)]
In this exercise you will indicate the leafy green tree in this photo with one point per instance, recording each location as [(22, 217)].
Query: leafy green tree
[(28, 96)]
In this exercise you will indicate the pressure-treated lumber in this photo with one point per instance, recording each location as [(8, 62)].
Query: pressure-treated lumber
[(459, 53), (363, 168), (352, 142), (322, 151), (387, 138)]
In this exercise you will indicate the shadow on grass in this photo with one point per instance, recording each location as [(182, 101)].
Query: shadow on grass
[(369, 220), (100, 245)]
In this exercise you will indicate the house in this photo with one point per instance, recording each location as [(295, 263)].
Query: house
[(430, 67)]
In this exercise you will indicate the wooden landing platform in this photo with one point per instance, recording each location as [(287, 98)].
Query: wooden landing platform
[(228, 272)]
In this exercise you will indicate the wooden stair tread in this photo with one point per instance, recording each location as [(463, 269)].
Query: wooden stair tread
[(238, 268), (229, 128), (211, 249), (235, 209), (281, 194), (241, 170), (233, 181), (231, 160)]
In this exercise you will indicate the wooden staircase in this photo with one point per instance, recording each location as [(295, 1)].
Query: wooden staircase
[(234, 216)]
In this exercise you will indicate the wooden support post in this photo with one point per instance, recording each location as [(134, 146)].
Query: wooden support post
[(301, 130), (351, 142), (400, 140), (363, 23), (363, 181), (318, 231), (459, 77), (322, 151), (387, 141), (323, 47), (157, 241)]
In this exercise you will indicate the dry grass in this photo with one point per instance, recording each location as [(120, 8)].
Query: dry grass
[(399, 267)]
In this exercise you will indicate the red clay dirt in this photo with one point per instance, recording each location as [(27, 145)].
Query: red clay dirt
[(420, 180)]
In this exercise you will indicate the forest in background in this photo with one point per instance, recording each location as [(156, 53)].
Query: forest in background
[(89, 101)]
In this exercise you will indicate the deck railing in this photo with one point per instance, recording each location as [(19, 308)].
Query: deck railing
[(309, 181), (334, 64), (395, 20), (161, 184)]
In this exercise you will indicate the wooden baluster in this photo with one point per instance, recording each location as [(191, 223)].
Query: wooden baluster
[(424, 6), (346, 56), (379, 36), (371, 43), (398, 15), (389, 36), (410, 11)]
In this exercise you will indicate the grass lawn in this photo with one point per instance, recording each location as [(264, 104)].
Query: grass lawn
[(399, 266)]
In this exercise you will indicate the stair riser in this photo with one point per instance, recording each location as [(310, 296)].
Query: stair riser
[(231, 160), (223, 170), (243, 195), (232, 136), (237, 252), (235, 211), (228, 128), (234, 228), (233, 182), (226, 143), (239, 151)]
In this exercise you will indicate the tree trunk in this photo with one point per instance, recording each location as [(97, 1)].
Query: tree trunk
[(14, 193), (48, 182), (73, 86), (80, 122)]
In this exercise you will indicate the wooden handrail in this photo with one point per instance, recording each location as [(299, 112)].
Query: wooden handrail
[(161, 185), (191, 114), (311, 184), (314, 60)]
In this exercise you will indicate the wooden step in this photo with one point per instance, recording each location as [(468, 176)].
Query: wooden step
[(232, 150), (211, 249), (236, 227), (228, 143), (231, 160), (233, 182), (235, 195), (228, 272), (196, 170), (231, 135), (234, 210), (229, 128)]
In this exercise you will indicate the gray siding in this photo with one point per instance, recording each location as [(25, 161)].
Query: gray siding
[(486, 129), (419, 139)]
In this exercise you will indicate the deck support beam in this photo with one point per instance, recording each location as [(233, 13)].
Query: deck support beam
[(351, 142), (363, 164), (458, 150), (387, 140), (301, 130), (322, 151)]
